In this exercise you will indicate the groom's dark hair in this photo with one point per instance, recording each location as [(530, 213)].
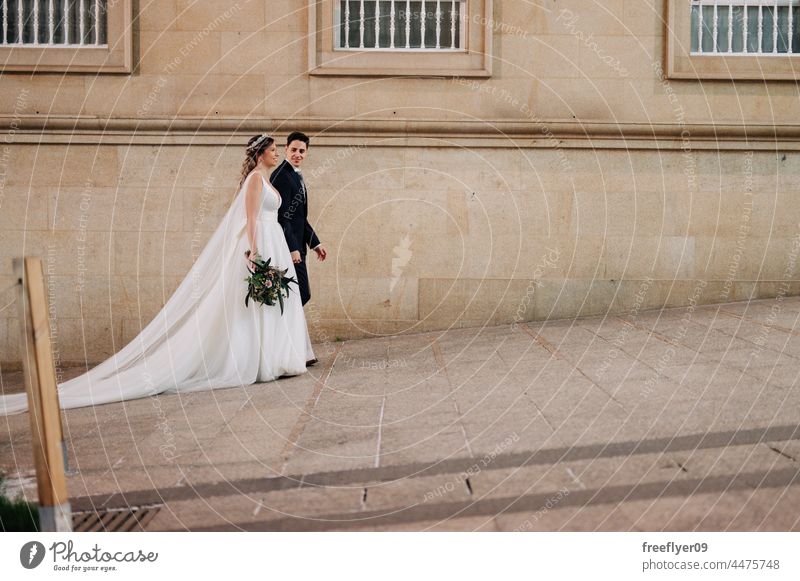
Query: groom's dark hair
[(298, 136)]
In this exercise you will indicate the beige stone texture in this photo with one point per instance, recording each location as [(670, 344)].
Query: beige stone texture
[(211, 95), (644, 17), (538, 57), (87, 166), (179, 52), (139, 96), (244, 53), (158, 16), (220, 14), (42, 95)]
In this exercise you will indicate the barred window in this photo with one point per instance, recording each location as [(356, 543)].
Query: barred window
[(400, 25), (741, 27), (71, 23), (733, 39), (401, 38)]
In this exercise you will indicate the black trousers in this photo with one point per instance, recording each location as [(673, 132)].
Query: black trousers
[(302, 280)]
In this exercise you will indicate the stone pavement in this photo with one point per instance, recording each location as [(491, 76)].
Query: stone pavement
[(676, 420)]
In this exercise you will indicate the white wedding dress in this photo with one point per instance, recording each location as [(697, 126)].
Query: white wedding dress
[(205, 337)]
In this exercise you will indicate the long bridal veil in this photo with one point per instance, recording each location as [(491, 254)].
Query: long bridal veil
[(201, 339)]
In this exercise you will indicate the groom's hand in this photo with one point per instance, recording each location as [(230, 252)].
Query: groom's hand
[(296, 257), (322, 254)]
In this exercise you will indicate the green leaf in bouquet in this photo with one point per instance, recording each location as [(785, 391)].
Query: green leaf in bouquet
[(268, 285)]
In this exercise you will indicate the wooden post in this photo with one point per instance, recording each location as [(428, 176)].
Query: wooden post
[(55, 513)]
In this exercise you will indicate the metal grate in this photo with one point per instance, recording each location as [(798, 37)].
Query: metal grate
[(73, 23), (741, 27), (114, 520), (432, 25)]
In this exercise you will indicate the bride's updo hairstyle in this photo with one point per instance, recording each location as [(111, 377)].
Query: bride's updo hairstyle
[(255, 147)]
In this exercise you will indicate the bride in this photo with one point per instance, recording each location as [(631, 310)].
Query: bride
[(205, 337)]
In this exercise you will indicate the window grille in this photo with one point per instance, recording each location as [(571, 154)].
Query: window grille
[(400, 25), (38, 23), (746, 27)]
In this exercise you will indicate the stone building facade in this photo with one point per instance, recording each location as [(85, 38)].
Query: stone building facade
[(566, 158)]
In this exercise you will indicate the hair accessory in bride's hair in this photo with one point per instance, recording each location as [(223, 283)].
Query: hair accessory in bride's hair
[(258, 141)]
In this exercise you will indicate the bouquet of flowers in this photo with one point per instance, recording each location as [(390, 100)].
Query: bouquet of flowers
[(266, 284)]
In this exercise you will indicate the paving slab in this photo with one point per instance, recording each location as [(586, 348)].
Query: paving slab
[(669, 420)]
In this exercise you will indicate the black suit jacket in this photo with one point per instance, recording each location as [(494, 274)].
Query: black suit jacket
[(293, 213)]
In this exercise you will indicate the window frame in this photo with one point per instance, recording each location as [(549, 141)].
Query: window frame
[(683, 64), (114, 57), (474, 59)]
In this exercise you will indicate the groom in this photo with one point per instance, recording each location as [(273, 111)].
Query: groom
[(293, 213)]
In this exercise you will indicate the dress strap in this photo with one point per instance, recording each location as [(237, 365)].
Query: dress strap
[(270, 187)]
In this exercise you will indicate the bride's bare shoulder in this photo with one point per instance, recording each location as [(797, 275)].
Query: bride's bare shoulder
[(254, 180), (256, 174)]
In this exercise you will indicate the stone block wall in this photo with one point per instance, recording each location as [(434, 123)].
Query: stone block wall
[(577, 180)]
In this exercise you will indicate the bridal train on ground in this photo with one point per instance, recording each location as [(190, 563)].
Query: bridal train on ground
[(205, 337)]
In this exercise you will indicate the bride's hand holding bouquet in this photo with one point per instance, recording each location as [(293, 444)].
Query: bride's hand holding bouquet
[(266, 284)]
